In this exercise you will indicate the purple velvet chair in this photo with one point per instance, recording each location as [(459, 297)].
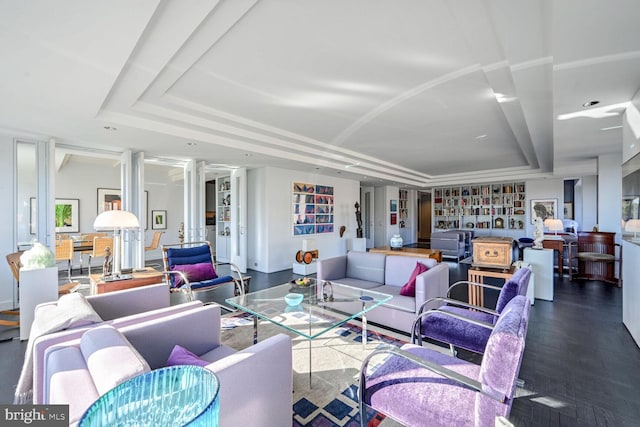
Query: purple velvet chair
[(464, 325), (418, 386)]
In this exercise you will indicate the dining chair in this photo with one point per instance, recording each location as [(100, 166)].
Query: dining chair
[(155, 241), (86, 239), (64, 252), (13, 259), (99, 246)]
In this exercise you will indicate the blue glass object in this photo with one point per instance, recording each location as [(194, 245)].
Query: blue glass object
[(293, 299), (173, 396)]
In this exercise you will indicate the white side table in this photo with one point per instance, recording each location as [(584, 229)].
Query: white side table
[(36, 287), (541, 261)]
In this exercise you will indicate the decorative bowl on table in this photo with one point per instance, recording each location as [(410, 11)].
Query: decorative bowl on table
[(293, 299)]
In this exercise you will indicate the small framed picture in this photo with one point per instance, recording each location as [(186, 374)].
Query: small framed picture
[(158, 220)]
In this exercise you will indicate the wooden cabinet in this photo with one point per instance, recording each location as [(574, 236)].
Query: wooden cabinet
[(223, 218), (492, 252), (498, 206)]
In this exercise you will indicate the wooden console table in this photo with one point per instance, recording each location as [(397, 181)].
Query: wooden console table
[(555, 243), (140, 278), (477, 275), (415, 252)]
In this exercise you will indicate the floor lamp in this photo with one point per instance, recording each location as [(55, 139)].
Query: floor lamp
[(117, 221)]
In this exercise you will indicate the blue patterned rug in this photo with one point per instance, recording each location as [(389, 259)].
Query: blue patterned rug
[(332, 397)]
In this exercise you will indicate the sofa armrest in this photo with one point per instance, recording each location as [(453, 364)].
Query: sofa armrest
[(122, 303), (265, 369), (431, 284), (197, 329), (332, 268), (45, 342)]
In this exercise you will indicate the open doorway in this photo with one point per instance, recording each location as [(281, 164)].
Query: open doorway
[(424, 217)]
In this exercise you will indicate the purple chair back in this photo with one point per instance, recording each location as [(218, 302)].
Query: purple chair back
[(516, 285), (502, 359)]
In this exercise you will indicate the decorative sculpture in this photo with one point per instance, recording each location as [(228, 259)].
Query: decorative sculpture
[(359, 221), (181, 233), (107, 266), (538, 233)]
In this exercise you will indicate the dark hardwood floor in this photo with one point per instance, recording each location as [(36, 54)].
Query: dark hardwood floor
[(581, 367)]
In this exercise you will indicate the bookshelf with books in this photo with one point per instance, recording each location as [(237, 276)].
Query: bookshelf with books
[(491, 207)]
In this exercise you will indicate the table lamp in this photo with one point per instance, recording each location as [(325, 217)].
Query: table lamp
[(554, 225), (633, 225), (117, 221)]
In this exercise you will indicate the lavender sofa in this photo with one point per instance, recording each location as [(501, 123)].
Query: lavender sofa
[(418, 386), (463, 325), (387, 274), (119, 309), (255, 383)]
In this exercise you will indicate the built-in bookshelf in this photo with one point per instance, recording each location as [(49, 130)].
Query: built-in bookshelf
[(498, 206)]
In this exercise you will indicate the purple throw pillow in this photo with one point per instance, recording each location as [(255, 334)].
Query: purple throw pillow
[(182, 356), (194, 272), (409, 288)]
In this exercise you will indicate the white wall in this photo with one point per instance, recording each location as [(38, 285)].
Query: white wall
[(631, 251), (271, 244), (383, 228), (589, 212), (610, 201), (7, 218)]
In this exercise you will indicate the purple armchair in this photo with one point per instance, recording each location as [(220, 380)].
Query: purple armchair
[(464, 325), (418, 386)]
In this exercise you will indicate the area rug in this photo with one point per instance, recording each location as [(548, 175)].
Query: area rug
[(332, 397)]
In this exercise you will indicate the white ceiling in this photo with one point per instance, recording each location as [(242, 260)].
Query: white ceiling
[(413, 92)]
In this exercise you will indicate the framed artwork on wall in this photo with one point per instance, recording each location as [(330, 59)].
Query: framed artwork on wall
[(393, 205), (543, 208), (109, 199), (158, 220), (568, 211), (67, 215), (312, 209), (394, 218)]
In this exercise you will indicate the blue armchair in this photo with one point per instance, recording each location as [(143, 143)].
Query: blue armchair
[(190, 268)]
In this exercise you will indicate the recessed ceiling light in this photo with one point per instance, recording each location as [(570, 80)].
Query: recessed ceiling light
[(111, 128), (590, 103), (248, 154), (191, 144), (611, 127), (481, 136)]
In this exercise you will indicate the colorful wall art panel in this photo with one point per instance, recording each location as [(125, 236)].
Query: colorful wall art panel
[(312, 209)]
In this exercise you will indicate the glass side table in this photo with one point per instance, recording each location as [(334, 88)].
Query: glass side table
[(173, 396)]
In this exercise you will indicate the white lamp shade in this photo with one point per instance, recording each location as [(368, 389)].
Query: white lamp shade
[(554, 224), (633, 225), (116, 219)]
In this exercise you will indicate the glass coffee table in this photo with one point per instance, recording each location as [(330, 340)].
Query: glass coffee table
[(318, 313)]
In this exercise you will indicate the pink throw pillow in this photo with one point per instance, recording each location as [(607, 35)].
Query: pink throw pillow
[(182, 356), (409, 288), (194, 272)]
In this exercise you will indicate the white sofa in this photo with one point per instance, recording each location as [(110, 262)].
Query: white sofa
[(387, 274), (255, 383), (119, 309)]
